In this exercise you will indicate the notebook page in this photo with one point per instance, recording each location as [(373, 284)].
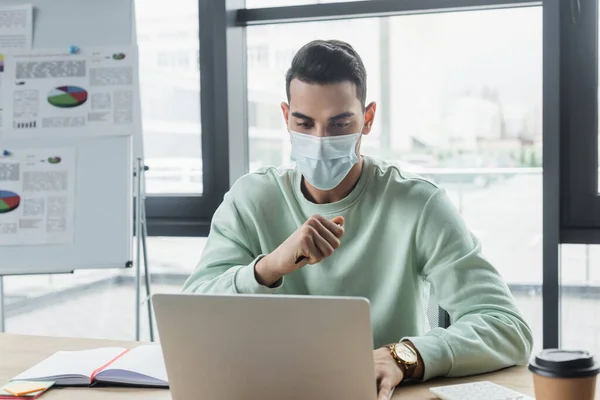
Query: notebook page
[(70, 363), (144, 360)]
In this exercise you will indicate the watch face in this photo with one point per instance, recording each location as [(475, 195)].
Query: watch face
[(406, 353)]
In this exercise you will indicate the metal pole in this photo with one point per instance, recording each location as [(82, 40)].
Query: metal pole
[(138, 237), (587, 264), (385, 141), (553, 112), (147, 274), (148, 292), (1, 304)]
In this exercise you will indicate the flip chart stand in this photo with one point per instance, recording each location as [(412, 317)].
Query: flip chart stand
[(141, 233)]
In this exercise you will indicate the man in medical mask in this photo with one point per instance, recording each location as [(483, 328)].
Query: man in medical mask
[(340, 223)]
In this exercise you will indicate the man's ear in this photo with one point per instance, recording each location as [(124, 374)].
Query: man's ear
[(369, 117), (285, 109)]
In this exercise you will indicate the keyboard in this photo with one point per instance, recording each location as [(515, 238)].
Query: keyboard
[(477, 391)]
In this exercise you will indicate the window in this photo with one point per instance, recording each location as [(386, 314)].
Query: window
[(177, 60), (576, 145), (258, 56), (283, 57), (265, 151), (170, 96), (580, 297), (177, 35), (59, 305), (267, 132), (459, 101), (188, 165), (265, 116)]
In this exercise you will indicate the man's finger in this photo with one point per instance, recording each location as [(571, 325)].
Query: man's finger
[(323, 245), (334, 226), (326, 234), (310, 250), (385, 389), (339, 220)]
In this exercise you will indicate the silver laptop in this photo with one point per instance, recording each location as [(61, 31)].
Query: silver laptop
[(251, 347)]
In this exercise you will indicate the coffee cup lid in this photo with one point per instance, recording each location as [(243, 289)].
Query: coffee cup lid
[(556, 363)]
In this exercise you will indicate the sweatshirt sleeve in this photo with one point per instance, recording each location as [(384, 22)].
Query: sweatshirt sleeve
[(487, 332), (227, 263)]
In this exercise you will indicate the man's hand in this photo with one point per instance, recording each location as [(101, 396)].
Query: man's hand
[(388, 373), (315, 240)]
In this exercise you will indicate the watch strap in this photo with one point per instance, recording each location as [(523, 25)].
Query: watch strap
[(409, 371)]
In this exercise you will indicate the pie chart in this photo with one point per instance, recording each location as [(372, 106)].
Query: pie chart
[(9, 201), (67, 96)]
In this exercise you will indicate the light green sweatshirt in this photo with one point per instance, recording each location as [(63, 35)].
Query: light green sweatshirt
[(401, 234)]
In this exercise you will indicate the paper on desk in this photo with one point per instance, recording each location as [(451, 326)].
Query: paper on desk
[(71, 364), (54, 93), (37, 197), (145, 360), (4, 394)]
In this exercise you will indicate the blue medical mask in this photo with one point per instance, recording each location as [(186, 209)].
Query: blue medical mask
[(324, 161)]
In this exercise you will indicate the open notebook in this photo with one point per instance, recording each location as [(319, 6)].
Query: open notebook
[(140, 366)]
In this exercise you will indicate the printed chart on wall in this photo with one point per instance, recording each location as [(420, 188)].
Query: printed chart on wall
[(92, 93), (37, 197), (16, 32), (16, 27)]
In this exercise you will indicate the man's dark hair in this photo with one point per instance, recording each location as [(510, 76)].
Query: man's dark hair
[(328, 61)]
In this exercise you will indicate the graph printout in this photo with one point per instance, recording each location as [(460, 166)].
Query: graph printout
[(37, 197), (55, 94)]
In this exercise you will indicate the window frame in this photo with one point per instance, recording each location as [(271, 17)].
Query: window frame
[(552, 118), (579, 197), (367, 9), (190, 215), (556, 65)]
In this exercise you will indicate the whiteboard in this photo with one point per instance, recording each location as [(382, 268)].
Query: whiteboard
[(104, 176)]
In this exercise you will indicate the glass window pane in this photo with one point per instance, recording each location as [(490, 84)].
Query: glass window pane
[(62, 305), (167, 34), (459, 101), (580, 297)]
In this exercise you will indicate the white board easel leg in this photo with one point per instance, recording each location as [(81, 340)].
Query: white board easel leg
[(141, 232), (138, 242), (147, 276)]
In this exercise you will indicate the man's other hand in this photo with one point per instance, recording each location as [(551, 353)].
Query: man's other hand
[(314, 241), (388, 373)]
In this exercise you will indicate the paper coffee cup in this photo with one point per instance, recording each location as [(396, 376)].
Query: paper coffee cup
[(564, 375)]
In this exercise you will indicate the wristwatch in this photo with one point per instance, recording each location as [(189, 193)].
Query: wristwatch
[(406, 357)]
